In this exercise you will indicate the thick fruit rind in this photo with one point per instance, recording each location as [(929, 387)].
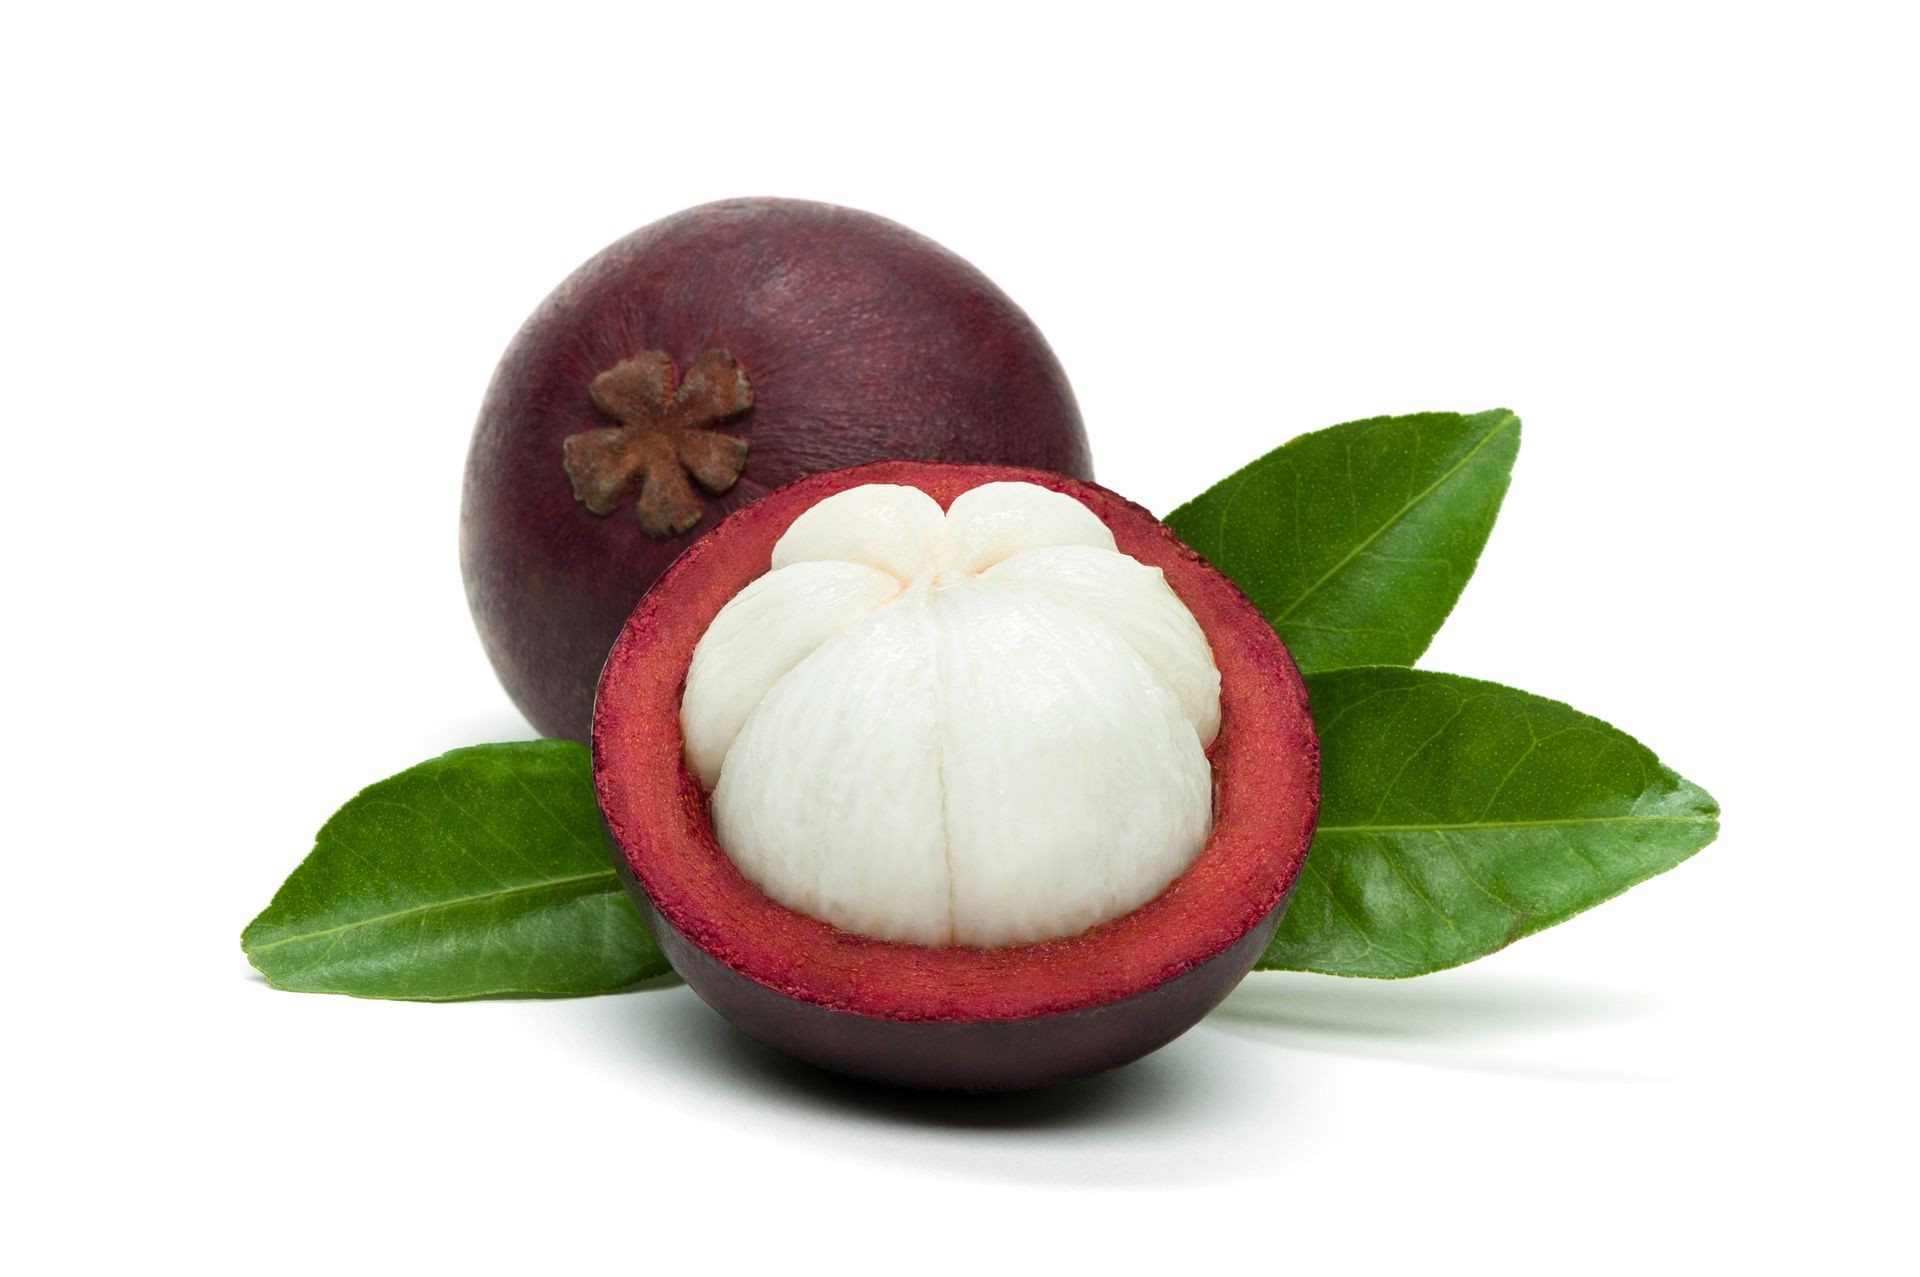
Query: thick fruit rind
[(954, 1017), (963, 1055)]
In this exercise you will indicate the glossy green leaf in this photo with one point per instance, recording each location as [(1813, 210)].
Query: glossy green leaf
[(1458, 816), (479, 873), (1356, 541)]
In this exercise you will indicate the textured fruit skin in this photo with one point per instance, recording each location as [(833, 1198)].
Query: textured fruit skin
[(863, 341), (955, 1018)]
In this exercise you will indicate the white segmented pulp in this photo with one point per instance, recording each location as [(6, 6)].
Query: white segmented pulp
[(984, 727)]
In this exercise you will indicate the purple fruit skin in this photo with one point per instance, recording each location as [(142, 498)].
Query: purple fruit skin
[(959, 1055), (863, 341)]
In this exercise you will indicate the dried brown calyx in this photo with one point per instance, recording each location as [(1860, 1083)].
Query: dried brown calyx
[(665, 437)]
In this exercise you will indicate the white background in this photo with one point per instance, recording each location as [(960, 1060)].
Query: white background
[(258, 264)]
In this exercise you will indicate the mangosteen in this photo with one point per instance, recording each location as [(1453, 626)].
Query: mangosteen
[(955, 776), (695, 366)]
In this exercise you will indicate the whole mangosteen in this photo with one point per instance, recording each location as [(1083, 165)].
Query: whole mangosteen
[(955, 776), (695, 366)]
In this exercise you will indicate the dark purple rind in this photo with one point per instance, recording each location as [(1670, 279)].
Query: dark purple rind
[(863, 342), (975, 1055)]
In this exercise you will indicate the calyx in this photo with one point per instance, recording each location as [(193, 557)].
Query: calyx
[(664, 437), (983, 726)]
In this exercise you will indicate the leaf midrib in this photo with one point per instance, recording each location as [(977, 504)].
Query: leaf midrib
[(1519, 824), (452, 902), (1506, 420)]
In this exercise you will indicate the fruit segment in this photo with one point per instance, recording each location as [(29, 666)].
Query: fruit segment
[(984, 726)]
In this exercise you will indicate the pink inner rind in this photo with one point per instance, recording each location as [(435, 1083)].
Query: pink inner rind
[(1266, 792)]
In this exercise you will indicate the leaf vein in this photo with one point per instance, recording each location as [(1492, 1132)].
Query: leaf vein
[(450, 902), (1412, 501)]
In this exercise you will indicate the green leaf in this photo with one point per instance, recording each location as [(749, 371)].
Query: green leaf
[(1458, 816), (476, 874), (1356, 541)]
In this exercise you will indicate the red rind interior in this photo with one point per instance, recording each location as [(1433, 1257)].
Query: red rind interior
[(1265, 766)]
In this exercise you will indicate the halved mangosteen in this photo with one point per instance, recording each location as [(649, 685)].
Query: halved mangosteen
[(955, 776)]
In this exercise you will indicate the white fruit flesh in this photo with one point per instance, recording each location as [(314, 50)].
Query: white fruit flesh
[(985, 726)]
